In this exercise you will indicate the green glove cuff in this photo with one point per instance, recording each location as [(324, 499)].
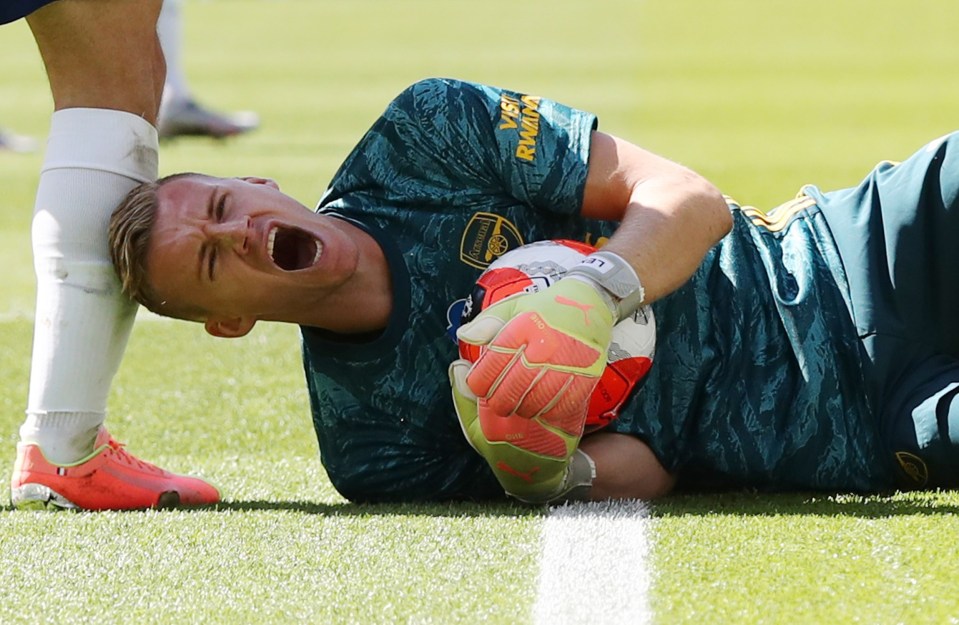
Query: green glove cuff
[(575, 486), (524, 475)]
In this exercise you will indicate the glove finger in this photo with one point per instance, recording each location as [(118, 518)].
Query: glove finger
[(548, 389), (522, 433), (504, 379), (489, 369), (458, 372), (481, 330), (570, 412), (559, 399), (465, 404)]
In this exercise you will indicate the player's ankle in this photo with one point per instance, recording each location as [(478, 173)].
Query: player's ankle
[(64, 438)]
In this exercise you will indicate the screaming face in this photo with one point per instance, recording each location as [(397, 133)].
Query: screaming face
[(239, 248)]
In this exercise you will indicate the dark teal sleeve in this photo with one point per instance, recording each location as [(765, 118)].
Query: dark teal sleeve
[(448, 138)]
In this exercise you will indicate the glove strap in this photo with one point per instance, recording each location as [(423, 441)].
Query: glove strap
[(616, 278)]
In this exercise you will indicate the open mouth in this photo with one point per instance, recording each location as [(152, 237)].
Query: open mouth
[(292, 249)]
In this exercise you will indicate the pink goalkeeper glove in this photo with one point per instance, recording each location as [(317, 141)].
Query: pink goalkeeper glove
[(541, 356)]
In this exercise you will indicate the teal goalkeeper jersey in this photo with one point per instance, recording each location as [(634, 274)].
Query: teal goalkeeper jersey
[(757, 379), (450, 177)]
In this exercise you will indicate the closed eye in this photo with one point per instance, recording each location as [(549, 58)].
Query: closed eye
[(215, 215), (211, 262)]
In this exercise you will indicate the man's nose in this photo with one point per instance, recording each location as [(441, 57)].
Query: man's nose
[(234, 233)]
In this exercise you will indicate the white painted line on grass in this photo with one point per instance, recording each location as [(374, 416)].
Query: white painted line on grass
[(594, 565)]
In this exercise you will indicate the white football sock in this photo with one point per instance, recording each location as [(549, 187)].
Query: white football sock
[(170, 31), (94, 157)]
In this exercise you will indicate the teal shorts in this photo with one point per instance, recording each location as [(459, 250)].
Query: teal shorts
[(898, 237)]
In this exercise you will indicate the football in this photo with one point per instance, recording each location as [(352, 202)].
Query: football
[(534, 267)]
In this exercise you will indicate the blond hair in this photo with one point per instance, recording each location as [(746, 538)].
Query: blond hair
[(131, 227)]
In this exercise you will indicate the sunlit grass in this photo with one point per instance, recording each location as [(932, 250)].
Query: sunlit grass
[(760, 97)]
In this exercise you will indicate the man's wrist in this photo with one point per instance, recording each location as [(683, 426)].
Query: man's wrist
[(615, 280)]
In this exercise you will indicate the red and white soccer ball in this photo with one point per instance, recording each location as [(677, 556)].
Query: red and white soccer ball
[(534, 267)]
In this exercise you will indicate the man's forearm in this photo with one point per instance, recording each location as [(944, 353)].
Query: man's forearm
[(668, 227), (669, 215)]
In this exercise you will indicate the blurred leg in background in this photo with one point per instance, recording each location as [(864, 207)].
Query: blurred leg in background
[(12, 142), (180, 113)]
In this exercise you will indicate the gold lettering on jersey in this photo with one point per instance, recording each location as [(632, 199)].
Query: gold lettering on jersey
[(482, 231), (509, 112), (486, 237), (526, 149), (521, 115)]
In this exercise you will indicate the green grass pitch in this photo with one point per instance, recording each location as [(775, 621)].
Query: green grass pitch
[(761, 97)]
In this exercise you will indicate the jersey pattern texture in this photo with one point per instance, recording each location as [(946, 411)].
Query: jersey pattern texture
[(451, 176)]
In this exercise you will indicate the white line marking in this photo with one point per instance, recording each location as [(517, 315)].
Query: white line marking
[(593, 567)]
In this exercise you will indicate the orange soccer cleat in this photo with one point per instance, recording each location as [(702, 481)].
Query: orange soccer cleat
[(108, 479)]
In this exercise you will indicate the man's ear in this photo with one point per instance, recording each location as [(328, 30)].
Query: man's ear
[(267, 181), (229, 328)]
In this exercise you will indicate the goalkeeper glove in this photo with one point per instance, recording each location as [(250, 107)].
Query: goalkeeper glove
[(531, 462), (541, 354), (523, 404)]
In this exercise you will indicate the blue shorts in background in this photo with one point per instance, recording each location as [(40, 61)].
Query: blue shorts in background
[(12, 10)]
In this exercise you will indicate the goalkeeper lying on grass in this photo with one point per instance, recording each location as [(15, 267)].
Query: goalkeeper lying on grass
[(813, 347)]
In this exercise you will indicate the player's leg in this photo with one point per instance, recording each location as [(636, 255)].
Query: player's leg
[(626, 468), (920, 417), (897, 234), (180, 113), (106, 71), (12, 142)]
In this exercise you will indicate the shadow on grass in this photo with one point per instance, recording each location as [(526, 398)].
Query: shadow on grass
[(932, 503), (346, 509), (733, 503), (451, 509)]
